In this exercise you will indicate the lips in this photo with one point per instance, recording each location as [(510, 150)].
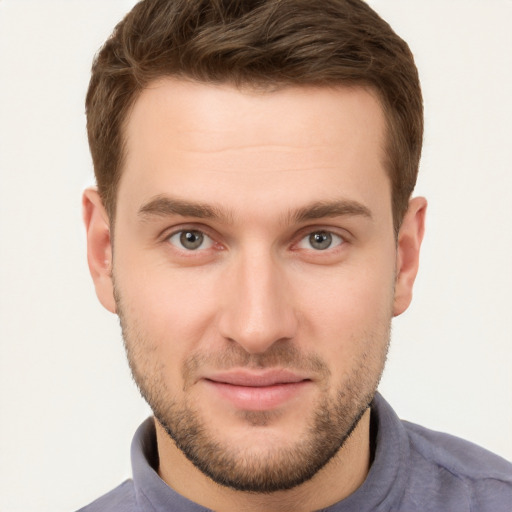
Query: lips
[(257, 379), (257, 391)]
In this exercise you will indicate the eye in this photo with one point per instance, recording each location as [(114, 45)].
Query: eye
[(191, 240), (320, 241)]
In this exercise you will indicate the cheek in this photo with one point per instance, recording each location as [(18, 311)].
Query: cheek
[(348, 313), (168, 311), (349, 296), (351, 329)]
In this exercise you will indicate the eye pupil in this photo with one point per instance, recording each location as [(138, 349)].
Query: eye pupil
[(191, 239), (320, 240)]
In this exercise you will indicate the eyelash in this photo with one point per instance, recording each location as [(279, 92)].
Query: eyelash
[(332, 238), (183, 232)]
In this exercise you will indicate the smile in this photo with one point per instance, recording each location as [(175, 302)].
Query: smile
[(258, 391)]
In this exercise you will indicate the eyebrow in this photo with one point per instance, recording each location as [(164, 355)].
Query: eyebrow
[(323, 209), (164, 206)]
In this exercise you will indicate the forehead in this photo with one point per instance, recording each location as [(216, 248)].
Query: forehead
[(312, 114), (220, 143)]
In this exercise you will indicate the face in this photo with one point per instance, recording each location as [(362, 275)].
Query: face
[(255, 272)]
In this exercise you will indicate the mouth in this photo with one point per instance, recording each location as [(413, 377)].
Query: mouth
[(257, 390)]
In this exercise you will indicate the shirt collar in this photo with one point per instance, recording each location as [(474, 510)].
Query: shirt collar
[(381, 491)]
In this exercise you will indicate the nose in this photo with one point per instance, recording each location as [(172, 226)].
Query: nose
[(257, 309)]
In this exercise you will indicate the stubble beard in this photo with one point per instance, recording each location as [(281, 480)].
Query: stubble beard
[(279, 470), (332, 421)]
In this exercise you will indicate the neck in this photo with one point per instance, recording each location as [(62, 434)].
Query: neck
[(339, 478)]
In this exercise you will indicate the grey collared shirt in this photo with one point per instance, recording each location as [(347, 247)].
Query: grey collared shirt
[(414, 470)]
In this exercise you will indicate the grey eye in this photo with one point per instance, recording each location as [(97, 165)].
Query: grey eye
[(191, 240), (320, 240)]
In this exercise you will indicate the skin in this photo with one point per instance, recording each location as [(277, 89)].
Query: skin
[(254, 172)]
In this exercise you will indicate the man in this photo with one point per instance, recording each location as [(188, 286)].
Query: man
[(253, 229)]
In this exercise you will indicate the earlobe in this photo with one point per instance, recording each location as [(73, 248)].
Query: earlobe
[(99, 248), (410, 237)]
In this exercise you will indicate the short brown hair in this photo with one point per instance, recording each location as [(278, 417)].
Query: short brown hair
[(258, 43)]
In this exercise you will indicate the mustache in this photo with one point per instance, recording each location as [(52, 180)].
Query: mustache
[(279, 355)]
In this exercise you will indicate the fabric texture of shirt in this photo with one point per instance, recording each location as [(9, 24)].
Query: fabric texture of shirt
[(414, 470)]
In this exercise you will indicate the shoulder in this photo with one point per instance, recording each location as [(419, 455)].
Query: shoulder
[(457, 455), (448, 462), (120, 499)]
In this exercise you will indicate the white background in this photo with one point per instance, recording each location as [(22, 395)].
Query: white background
[(68, 407)]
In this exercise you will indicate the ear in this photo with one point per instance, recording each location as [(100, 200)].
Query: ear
[(410, 237), (99, 247)]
